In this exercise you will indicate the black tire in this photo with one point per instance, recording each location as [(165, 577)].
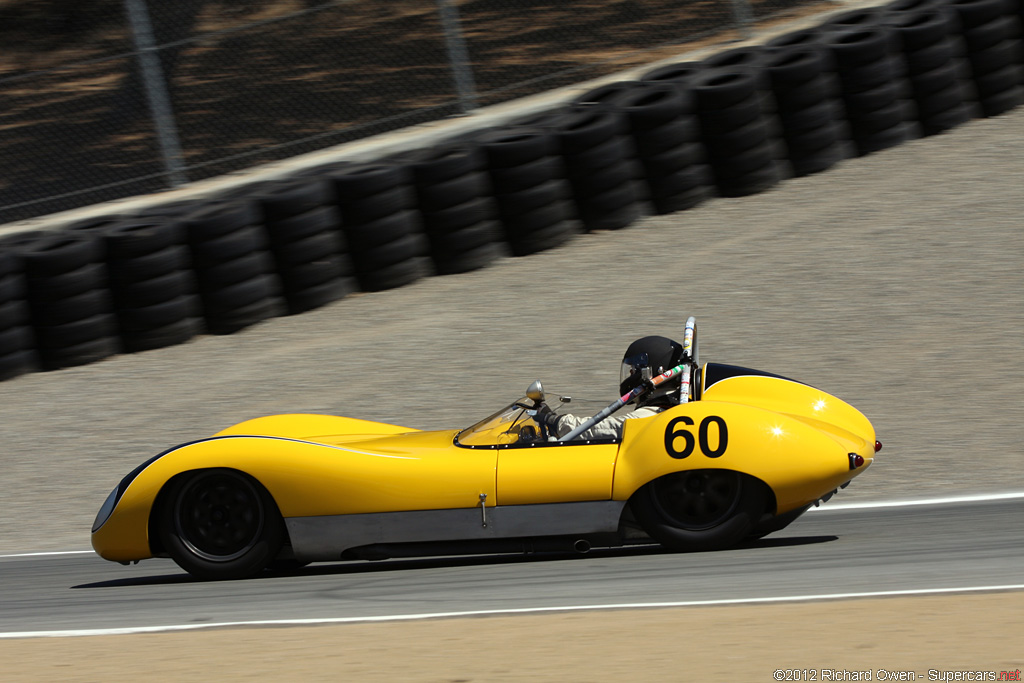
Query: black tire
[(813, 37), (86, 304), (943, 121), (319, 295), (794, 67), (859, 46), (358, 181), (998, 103), (976, 12), (378, 206), (433, 165), (60, 253), (603, 96), (312, 274), (15, 339), (82, 353), (395, 275), (235, 319), (239, 269), (515, 204), (149, 266), (220, 524), (527, 175), (224, 248), (130, 238), (982, 37), (542, 239), (651, 105), (220, 218), (239, 295), (585, 129), (17, 363), (505, 147), (855, 19), (752, 182), (451, 192), (313, 248), (13, 313), (679, 75), (700, 509), (399, 225), (460, 216), (320, 220), (751, 57), (812, 140), (720, 88), (939, 101), (923, 29), (816, 116), (91, 276), (385, 255), (618, 150), (816, 162), (156, 315), (739, 115), (465, 261), (157, 338), (50, 337), (156, 290), (286, 199)]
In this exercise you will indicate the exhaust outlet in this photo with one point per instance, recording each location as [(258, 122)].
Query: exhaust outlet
[(581, 546)]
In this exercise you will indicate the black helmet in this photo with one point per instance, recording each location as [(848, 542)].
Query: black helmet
[(646, 358)]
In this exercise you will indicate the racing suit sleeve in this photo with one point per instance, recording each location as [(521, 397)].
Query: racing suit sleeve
[(609, 428)]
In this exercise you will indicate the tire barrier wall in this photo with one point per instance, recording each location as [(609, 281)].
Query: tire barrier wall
[(732, 125)]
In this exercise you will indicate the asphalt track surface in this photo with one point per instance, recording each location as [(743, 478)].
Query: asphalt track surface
[(840, 552)]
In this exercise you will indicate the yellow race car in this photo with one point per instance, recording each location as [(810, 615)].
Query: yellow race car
[(742, 454)]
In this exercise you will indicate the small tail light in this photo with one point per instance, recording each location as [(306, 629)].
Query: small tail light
[(878, 446), (856, 461)]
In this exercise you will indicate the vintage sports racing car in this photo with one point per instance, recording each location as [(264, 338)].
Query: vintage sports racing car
[(743, 454)]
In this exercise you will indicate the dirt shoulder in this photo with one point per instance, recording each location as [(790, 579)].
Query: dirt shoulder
[(943, 634)]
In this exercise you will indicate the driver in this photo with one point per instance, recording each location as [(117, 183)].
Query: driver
[(645, 358)]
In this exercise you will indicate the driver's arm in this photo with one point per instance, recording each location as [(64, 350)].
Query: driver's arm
[(609, 428)]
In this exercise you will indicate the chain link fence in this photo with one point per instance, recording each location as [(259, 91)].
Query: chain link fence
[(114, 98)]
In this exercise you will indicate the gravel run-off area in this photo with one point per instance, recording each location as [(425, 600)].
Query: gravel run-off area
[(895, 281)]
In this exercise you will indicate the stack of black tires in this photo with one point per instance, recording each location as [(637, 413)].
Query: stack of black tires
[(67, 296), (151, 282), (237, 283), (306, 242), (731, 125), (531, 192), (380, 224), (453, 195), (17, 346)]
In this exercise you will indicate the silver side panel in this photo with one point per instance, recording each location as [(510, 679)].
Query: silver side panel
[(325, 538)]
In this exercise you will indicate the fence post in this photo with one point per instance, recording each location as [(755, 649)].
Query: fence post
[(743, 16), (458, 56), (156, 91)]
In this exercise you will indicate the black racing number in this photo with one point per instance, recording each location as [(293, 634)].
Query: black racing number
[(674, 432), (723, 436), (671, 434)]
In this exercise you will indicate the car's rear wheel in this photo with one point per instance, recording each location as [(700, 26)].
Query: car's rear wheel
[(220, 524), (700, 509)]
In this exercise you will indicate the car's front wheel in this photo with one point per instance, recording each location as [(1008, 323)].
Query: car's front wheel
[(220, 524), (700, 509)]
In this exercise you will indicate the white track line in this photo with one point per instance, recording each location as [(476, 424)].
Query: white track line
[(506, 612), (978, 498), (48, 554)]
